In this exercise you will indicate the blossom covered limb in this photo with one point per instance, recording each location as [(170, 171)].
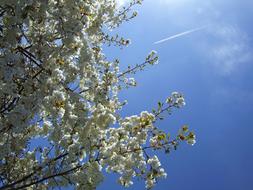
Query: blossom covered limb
[(60, 113)]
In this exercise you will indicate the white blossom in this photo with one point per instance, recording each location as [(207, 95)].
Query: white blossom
[(61, 120)]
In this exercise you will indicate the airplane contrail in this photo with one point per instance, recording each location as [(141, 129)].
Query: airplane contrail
[(181, 34)]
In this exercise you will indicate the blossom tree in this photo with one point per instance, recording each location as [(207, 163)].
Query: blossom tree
[(60, 121)]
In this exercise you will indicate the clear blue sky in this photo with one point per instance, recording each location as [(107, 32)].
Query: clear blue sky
[(213, 69)]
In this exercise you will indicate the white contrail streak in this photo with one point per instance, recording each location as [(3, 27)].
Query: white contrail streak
[(180, 34)]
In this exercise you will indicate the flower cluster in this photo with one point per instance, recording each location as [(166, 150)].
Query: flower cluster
[(177, 99), (60, 121)]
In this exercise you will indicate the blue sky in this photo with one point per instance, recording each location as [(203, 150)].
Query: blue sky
[(213, 69)]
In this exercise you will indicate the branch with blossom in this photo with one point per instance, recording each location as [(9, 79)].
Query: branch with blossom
[(60, 113)]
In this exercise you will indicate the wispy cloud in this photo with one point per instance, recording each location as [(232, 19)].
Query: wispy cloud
[(180, 34), (225, 43), (231, 49)]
